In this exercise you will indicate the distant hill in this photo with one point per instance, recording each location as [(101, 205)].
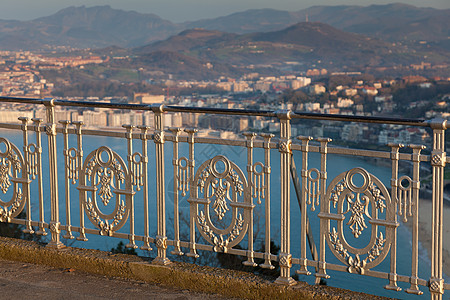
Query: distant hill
[(83, 27), (253, 20), (305, 43), (103, 26), (393, 22), (191, 40)]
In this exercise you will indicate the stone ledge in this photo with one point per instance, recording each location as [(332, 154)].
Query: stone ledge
[(229, 283)]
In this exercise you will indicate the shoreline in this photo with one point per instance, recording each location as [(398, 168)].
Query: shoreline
[(425, 231)]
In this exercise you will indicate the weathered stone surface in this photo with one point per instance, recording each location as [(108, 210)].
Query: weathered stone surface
[(199, 279)]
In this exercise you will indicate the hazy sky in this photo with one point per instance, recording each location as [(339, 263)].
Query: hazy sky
[(183, 10)]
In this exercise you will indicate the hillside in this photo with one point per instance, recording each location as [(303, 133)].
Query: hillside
[(393, 22), (103, 26), (83, 27), (191, 39), (305, 43)]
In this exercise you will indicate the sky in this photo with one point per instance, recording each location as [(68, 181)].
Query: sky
[(183, 10)]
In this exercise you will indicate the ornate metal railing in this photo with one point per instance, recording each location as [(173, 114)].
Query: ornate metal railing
[(219, 190)]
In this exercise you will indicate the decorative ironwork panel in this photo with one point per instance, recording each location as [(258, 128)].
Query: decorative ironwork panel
[(224, 192), (360, 207), (13, 178), (106, 179)]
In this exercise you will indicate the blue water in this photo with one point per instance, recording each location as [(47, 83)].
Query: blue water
[(336, 165)]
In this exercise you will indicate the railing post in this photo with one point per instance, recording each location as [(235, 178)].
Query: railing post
[(29, 228), (67, 174), (438, 159), (176, 214), (285, 257), (395, 156), (144, 130), (37, 128), (267, 170), (161, 239), (193, 209), (50, 129), (250, 255), (131, 162)]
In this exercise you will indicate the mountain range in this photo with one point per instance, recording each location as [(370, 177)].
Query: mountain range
[(303, 42), (103, 26), (265, 41)]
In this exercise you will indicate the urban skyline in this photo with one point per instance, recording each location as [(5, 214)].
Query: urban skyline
[(185, 10)]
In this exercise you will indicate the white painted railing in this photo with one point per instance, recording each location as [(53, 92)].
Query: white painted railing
[(220, 190)]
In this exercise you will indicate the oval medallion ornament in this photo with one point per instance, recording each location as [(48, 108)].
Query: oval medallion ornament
[(222, 188), (105, 175), (363, 206), (13, 181)]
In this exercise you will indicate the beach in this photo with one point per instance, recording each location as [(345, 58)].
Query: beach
[(425, 231)]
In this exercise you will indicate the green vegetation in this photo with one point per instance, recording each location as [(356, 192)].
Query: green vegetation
[(12, 230), (120, 248)]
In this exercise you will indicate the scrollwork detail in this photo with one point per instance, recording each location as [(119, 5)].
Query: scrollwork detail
[(103, 225), (378, 197), (5, 182), (220, 243), (221, 196), (5, 214), (337, 191), (336, 242), (376, 249), (356, 263), (115, 166), (105, 192), (236, 182), (203, 177), (358, 209)]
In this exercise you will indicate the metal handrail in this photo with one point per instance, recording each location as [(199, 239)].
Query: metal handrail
[(227, 111)]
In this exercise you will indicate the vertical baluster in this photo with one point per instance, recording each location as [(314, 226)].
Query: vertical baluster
[(131, 165), (438, 160), (65, 124), (52, 152), (266, 193), (324, 208), (161, 239), (144, 131), (393, 216), (176, 180), (79, 124), (37, 128), (250, 139), (414, 209), (305, 150), (285, 257), (27, 170), (193, 208), (323, 168)]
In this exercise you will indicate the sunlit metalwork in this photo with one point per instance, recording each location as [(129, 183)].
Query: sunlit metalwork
[(222, 196)]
